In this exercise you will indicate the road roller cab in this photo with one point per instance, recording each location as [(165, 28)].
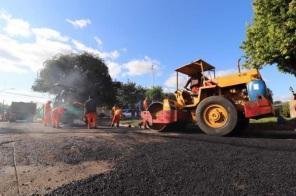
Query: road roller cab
[(218, 105)]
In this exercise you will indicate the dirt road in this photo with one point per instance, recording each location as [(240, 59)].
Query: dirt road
[(37, 159)]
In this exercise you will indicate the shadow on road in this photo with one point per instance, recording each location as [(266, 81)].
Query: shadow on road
[(9, 130)]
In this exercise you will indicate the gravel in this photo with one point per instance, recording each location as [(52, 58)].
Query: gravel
[(183, 166)]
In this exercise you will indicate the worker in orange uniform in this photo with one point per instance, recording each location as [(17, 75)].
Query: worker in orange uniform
[(145, 106), (56, 116), (47, 113), (113, 111), (116, 117), (90, 111)]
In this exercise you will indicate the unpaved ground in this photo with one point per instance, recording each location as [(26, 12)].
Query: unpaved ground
[(135, 162)]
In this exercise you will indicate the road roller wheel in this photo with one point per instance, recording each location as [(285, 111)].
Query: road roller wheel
[(154, 108), (216, 115)]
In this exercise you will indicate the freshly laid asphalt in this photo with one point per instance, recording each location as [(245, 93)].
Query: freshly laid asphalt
[(151, 163), (195, 164)]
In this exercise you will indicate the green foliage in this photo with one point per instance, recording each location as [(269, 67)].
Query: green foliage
[(155, 94), (171, 96), (77, 76), (271, 39), (128, 94), (285, 110)]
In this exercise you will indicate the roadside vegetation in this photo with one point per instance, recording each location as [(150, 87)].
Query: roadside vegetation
[(76, 76)]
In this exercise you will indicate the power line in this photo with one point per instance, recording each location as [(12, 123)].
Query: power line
[(152, 68), (24, 95)]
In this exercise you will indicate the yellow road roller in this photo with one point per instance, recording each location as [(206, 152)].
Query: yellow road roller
[(218, 105)]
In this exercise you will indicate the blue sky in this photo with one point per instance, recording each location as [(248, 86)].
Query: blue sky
[(130, 35)]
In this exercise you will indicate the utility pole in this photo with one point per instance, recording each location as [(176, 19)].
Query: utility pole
[(3, 110), (152, 69)]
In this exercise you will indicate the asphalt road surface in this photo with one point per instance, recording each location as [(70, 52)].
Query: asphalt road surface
[(125, 161)]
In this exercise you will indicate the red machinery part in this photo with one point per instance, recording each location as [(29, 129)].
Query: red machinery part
[(146, 116), (260, 107), (165, 117), (162, 117)]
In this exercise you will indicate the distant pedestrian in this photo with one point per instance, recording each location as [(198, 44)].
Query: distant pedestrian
[(90, 111), (56, 115), (47, 113)]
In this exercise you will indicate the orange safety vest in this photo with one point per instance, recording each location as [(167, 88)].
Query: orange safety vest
[(145, 104), (118, 112), (47, 107), (113, 110)]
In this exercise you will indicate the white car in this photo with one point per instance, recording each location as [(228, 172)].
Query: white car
[(126, 113)]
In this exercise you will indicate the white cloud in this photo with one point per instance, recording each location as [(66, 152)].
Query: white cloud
[(98, 41), (8, 67), (28, 54), (80, 23), (15, 26), (49, 34), (141, 66), (282, 98), (170, 84), (25, 96), (115, 69), (220, 73), (21, 55), (105, 55)]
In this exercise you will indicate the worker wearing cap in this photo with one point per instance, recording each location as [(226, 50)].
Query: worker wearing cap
[(56, 116), (116, 117), (90, 111), (47, 113)]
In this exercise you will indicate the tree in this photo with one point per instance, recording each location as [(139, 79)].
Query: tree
[(155, 93), (285, 110), (271, 39), (129, 94), (75, 77)]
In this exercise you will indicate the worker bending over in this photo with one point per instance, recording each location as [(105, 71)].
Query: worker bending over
[(116, 117), (90, 111), (47, 113), (56, 116), (113, 111)]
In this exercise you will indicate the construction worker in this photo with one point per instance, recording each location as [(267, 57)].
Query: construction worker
[(90, 111), (47, 113), (113, 111), (195, 83), (116, 117), (145, 106), (56, 116)]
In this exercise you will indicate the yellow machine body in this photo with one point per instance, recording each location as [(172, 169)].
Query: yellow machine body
[(237, 78)]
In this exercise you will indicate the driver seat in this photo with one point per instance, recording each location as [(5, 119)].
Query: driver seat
[(187, 97)]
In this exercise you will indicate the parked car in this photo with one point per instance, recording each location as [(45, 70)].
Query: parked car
[(127, 113)]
